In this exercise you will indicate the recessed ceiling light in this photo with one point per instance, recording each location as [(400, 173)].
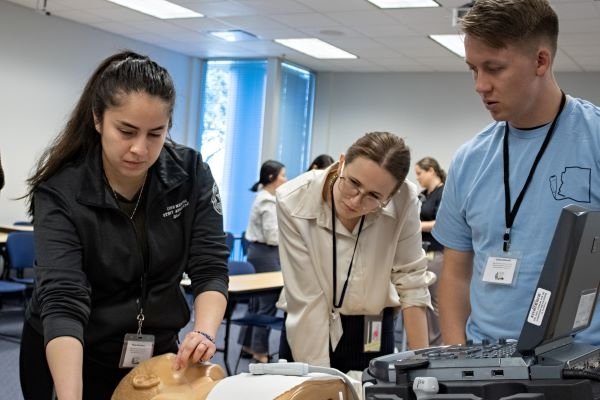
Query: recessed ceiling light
[(316, 48), (158, 8), (233, 35), (454, 43), (404, 3)]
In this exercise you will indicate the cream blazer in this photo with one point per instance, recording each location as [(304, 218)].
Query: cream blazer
[(389, 268)]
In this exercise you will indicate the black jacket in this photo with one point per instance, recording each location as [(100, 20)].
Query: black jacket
[(89, 264)]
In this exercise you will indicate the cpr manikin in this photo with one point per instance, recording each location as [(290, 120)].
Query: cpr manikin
[(154, 379)]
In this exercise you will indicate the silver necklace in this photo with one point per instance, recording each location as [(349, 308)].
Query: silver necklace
[(137, 203)]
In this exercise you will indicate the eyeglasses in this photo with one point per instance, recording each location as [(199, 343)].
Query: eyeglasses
[(349, 187)]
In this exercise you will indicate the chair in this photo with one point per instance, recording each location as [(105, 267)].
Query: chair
[(20, 254), (22, 223), (240, 267), (10, 290), (244, 246), (230, 242), (251, 319), (260, 321)]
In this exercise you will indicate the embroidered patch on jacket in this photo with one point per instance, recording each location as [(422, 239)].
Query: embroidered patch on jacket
[(175, 210), (216, 199)]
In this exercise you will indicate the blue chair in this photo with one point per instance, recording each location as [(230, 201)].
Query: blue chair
[(230, 242), (22, 223), (240, 268), (245, 244), (11, 290), (20, 255), (251, 319)]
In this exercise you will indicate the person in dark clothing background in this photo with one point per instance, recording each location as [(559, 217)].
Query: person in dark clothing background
[(120, 213), (431, 178), (1, 176), (321, 161)]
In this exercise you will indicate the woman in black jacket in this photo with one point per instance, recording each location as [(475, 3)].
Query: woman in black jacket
[(120, 213)]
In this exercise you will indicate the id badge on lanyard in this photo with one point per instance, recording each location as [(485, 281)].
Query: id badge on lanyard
[(502, 269), (372, 333), (137, 347), (335, 322)]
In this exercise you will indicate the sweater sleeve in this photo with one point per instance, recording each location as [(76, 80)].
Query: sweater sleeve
[(207, 267), (63, 290)]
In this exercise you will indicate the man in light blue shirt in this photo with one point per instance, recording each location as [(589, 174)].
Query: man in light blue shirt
[(506, 186)]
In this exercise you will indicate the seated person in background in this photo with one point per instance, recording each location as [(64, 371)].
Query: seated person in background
[(351, 252), (506, 187), (431, 178), (263, 253), (321, 162)]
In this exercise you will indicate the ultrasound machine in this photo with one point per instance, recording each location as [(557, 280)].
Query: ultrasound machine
[(545, 363)]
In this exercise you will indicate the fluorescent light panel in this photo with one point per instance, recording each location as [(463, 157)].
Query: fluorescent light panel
[(316, 48), (404, 3), (233, 35), (158, 8), (454, 43)]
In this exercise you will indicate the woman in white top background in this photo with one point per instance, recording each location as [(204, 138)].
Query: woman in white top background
[(351, 253), (263, 253)]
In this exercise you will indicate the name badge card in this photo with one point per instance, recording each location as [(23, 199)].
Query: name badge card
[(335, 329), (501, 270), (136, 348), (372, 333)]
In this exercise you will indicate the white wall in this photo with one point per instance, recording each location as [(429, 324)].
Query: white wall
[(434, 112), (44, 63)]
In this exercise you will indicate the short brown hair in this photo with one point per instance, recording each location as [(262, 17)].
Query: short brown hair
[(499, 23), (387, 150)]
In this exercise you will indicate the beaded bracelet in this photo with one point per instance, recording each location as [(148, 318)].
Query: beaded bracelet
[(206, 335)]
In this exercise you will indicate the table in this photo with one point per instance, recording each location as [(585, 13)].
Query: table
[(6, 229), (243, 287)]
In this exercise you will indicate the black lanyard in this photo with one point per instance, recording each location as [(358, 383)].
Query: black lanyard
[(362, 221), (510, 215)]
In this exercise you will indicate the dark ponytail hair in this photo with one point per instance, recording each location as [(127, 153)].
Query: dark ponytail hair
[(428, 163), (115, 77), (321, 162), (269, 171)]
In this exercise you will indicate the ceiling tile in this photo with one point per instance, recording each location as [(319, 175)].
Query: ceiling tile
[(392, 40)]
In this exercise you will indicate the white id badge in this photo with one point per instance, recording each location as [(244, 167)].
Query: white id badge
[(335, 329), (136, 348), (501, 270), (372, 333)]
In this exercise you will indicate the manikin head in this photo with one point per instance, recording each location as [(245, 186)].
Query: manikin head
[(154, 379)]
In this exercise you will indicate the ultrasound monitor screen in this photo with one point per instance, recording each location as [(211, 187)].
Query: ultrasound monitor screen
[(565, 297)]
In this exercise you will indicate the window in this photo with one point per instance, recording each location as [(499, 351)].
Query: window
[(231, 126), (295, 118)]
